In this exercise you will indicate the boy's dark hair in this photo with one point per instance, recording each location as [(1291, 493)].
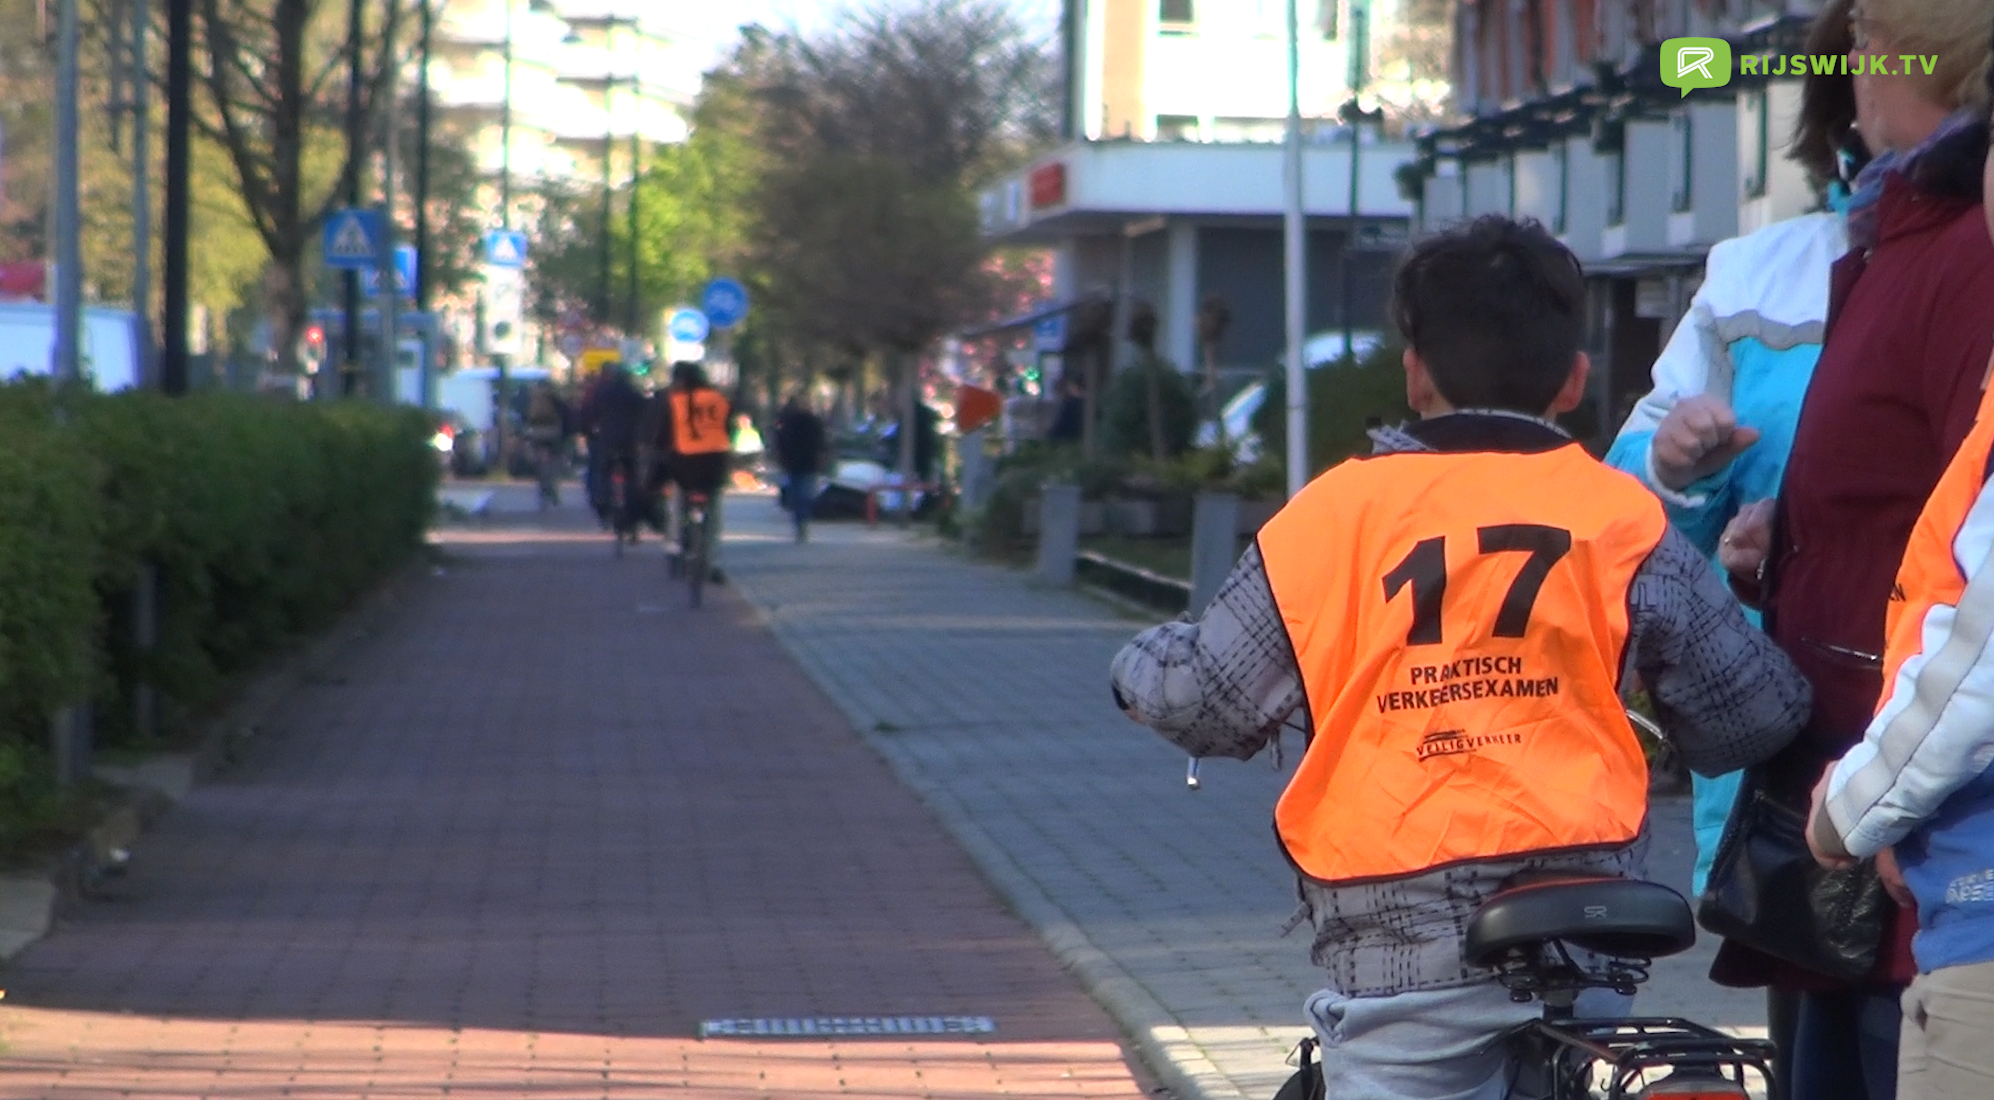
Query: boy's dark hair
[(1496, 310)]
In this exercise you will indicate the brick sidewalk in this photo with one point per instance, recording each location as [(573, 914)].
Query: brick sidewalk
[(521, 843)]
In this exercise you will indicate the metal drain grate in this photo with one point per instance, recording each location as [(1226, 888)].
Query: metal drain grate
[(816, 1026)]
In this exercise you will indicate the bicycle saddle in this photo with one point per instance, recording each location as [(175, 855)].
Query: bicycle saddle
[(1617, 917)]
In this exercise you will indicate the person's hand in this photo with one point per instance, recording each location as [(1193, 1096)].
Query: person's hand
[(1819, 827), (1747, 540), (1893, 878), (1698, 437)]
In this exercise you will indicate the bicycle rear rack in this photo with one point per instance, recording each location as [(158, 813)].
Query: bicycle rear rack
[(1634, 1047)]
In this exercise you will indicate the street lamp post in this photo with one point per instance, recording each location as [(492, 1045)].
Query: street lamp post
[(356, 139), (636, 179), (1295, 238), (173, 252), (1354, 116)]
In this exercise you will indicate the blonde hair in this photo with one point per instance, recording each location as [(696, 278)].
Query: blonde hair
[(1956, 31)]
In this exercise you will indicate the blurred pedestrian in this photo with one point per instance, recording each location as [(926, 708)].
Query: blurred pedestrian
[(546, 428), (1069, 423), (799, 451)]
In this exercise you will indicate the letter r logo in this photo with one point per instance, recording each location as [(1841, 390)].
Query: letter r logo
[(1691, 63)]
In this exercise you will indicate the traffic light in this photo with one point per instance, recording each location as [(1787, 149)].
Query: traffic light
[(313, 352)]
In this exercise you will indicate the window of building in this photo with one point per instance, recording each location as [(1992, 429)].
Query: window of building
[(1177, 128), (1175, 11), (1616, 187), (1681, 189), (1758, 122), (1562, 153)]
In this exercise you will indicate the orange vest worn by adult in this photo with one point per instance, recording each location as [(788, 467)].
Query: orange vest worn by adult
[(1930, 574), (1459, 621), (699, 421)]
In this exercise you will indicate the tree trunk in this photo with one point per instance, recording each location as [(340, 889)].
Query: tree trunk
[(1090, 402), (284, 292), (1153, 377), (909, 426)]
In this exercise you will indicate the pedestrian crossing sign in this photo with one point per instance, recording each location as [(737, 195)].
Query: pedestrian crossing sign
[(505, 248), (353, 239)]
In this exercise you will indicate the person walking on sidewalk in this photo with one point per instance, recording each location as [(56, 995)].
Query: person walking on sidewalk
[(1453, 619), (547, 431), (799, 451)]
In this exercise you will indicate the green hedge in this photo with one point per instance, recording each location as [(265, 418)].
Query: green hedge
[(1342, 397), (263, 518)]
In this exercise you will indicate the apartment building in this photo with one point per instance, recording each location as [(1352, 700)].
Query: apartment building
[(580, 72), (556, 92), (1217, 70), (1170, 192), (1567, 121)]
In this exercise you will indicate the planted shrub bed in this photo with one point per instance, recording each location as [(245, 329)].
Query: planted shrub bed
[(263, 519)]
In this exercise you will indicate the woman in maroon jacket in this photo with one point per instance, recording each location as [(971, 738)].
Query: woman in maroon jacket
[(1909, 332)]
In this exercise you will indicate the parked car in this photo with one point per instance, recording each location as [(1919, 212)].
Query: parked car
[(109, 348)]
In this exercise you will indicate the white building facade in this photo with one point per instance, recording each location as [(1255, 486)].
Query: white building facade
[(1568, 123)]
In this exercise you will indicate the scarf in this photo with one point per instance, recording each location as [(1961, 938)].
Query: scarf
[(1868, 187)]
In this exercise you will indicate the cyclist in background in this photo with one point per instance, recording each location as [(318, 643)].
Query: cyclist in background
[(699, 443), (611, 416)]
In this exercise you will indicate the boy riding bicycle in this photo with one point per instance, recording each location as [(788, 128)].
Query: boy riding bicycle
[(1452, 620), (698, 442)]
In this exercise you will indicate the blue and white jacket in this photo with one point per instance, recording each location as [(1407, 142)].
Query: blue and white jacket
[(1751, 337)]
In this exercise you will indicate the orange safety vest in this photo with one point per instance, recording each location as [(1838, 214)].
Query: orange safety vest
[(1459, 622), (699, 422), (1930, 574)]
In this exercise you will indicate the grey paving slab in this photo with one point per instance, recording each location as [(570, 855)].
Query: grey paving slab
[(988, 695)]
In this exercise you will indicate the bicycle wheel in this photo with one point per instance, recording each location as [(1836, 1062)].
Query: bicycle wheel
[(695, 553), (619, 509)]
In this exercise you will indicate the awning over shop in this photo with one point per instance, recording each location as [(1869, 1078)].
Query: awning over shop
[(1028, 319)]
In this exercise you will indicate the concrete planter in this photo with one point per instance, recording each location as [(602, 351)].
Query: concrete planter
[(1093, 518), (1149, 518)]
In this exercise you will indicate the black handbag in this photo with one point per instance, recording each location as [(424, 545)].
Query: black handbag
[(1766, 891)]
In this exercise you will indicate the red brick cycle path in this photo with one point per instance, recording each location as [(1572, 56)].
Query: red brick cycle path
[(519, 845)]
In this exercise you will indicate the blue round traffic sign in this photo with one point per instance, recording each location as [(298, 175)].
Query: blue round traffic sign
[(688, 326), (725, 302)]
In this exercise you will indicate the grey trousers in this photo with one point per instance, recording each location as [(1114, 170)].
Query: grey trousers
[(1946, 1050), (1439, 1044)]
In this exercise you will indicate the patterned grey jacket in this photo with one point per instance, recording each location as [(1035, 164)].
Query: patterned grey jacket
[(1227, 685)]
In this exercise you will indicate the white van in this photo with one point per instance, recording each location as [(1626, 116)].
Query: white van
[(110, 344)]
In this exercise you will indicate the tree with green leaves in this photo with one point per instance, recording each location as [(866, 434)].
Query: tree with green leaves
[(275, 75), (876, 134)]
